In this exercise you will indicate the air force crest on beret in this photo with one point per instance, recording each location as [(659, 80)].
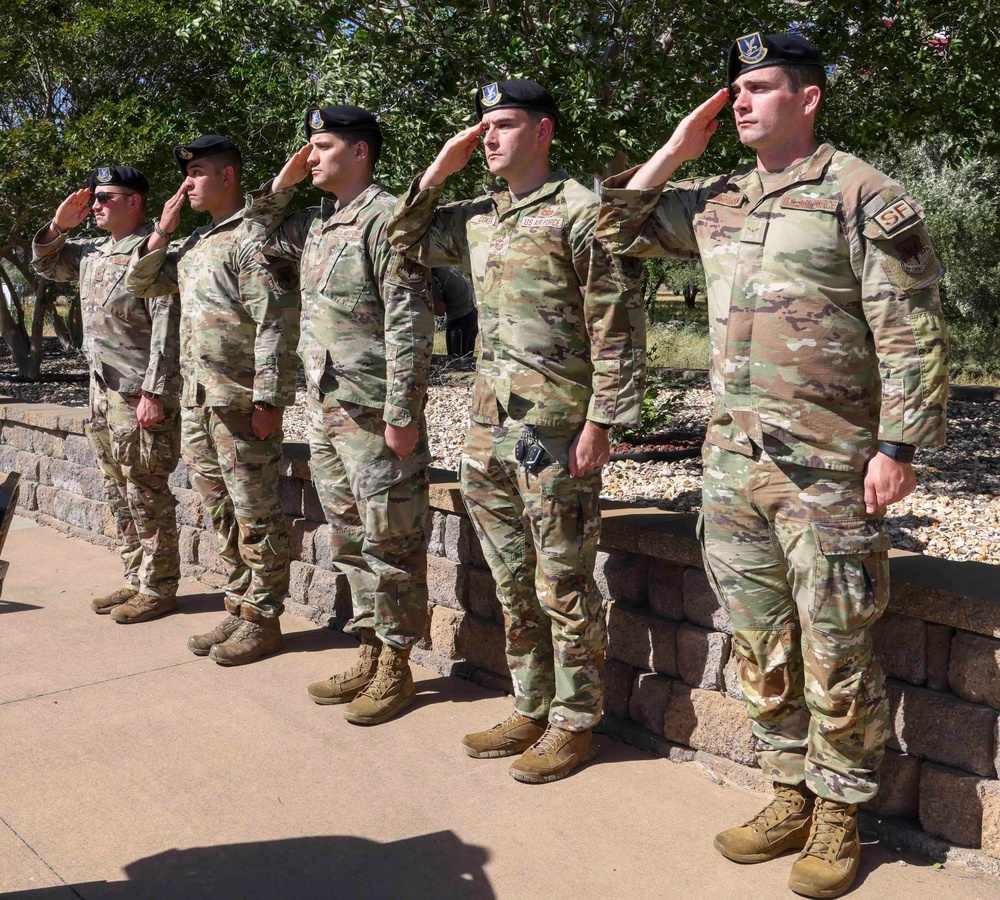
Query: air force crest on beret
[(315, 119), (752, 49), (491, 94), (184, 153), (104, 174)]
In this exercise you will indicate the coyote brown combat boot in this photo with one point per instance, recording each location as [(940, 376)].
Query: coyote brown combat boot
[(103, 605), (345, 686), (781, 825), (389, 693), (256, 636), (554, 755), (828, 865), (512, 736), (142, 608), (201, 644)]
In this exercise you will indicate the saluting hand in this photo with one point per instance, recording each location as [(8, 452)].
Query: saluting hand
[(170, 218), (691, 136), (454, 156), (294, 170), (689, 141), (73, 210)]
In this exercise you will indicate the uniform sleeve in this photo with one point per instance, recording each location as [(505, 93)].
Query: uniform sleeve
[(902, 304), (155, 274), (280, 235), (404, 286), (58, 260), (616, 326), (657, 222), (270, 295), (423, 231), (163, 372)]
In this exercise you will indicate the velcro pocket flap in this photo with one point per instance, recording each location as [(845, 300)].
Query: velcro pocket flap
[(851, 537)]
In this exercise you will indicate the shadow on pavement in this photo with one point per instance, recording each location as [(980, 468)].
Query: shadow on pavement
[(436, 866), (8, 606)]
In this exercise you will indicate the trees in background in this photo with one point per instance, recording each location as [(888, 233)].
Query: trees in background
[(95, 81)]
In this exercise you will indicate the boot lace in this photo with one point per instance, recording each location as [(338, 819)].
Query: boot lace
[(778, 809), (550, 742), (512, 720), (829, 820)]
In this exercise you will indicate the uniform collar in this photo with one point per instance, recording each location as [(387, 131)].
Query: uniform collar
[(505, 203), (812, 168), (127, 243), (333, 216)]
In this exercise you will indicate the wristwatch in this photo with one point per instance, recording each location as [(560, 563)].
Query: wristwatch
[(149, 395), (57, 229), (902, 453), (163, 234)]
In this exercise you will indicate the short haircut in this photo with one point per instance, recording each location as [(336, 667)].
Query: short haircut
[(806, 76), (372, 137), (219, 161)]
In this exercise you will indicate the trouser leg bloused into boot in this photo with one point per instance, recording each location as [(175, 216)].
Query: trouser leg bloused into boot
[(780, 826), (389, 693), (201, 644), (345, 686)]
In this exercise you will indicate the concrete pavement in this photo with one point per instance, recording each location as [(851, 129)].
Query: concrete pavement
[(130, 768)]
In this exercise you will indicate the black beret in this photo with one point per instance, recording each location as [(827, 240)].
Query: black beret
[(517, 93), (123, 176), (206, 145), (338, 119), (758, 51)]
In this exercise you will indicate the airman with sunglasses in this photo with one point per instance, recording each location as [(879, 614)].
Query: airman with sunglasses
[(134, 426)]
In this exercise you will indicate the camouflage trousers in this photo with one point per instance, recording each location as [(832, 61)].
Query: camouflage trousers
[(804, 573), (377, 506), (237, 477), (539, 534), (136, 463)]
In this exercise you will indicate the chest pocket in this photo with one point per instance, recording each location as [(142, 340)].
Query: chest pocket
[(107, 285), (346, 276)]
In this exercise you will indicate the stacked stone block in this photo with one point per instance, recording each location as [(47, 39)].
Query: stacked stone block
[(672, 683)]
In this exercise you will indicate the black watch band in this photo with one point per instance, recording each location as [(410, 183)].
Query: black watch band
[(902, 453)]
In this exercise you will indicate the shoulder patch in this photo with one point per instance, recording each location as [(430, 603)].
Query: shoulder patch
[(899, 214), (407, 272), (914, 254), (822, 203)]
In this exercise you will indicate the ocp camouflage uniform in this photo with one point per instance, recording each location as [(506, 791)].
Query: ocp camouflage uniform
[(239, 321), (366, 342), (131, 346), (826, 336), (563, 341)]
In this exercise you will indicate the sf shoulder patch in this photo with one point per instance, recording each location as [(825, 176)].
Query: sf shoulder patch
[(899, 214)]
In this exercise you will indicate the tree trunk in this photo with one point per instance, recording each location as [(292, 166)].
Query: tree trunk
[(13, 331), (75, 322), (689, 294), (37, 332)]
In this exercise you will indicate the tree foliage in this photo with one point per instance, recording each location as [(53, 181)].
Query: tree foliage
[(95, 81)]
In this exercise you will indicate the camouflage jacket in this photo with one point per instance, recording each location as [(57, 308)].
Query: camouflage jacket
[(561, 324), (239, 318), (131, 343), (825, 322), (367, 325)]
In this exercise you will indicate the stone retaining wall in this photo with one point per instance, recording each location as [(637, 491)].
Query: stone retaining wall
[(671, 678)]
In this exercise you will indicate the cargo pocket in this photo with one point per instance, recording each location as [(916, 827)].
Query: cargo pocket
[(569, 513), (125, 445), (394, 499), (851, 574)]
